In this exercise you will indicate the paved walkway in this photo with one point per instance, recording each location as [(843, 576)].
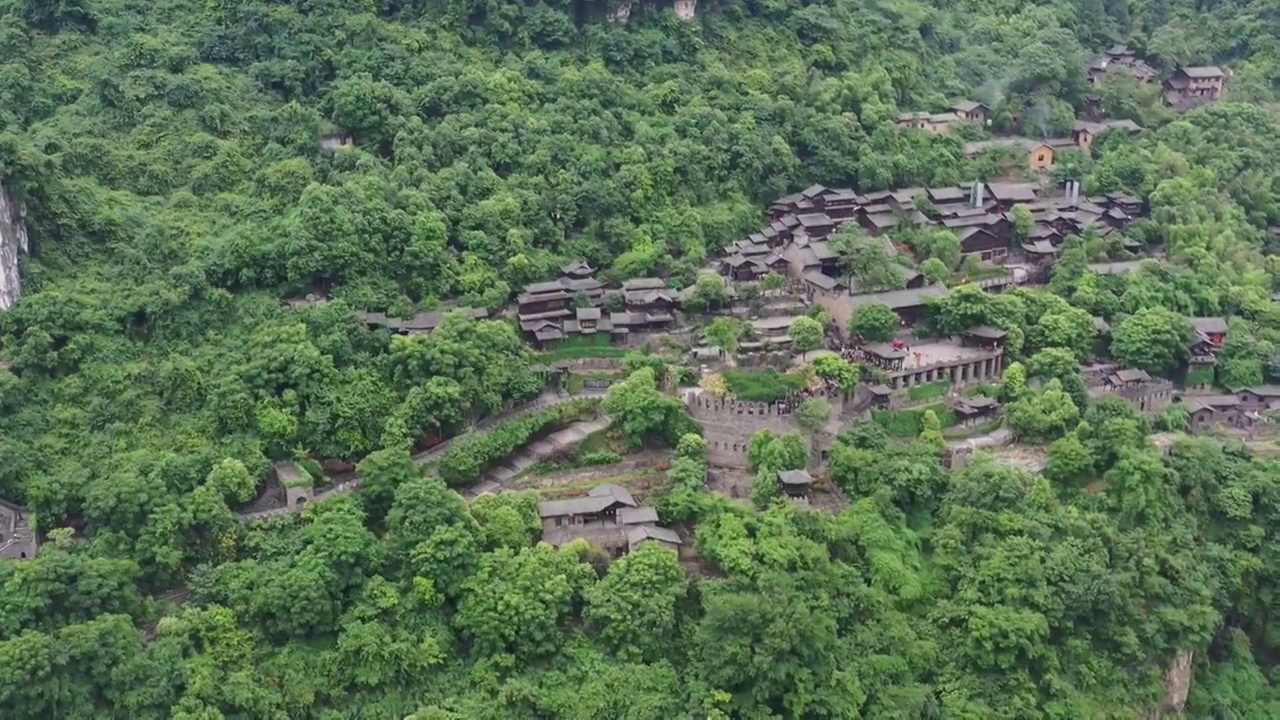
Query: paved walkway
[(542, 402)]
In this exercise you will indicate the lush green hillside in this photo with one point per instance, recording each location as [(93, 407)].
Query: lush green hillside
[(168, 154)]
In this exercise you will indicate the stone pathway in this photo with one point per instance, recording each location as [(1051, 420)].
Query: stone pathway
[(574, 433)]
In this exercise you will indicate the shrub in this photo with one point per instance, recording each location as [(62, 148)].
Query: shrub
[(472, 454), (765, 385)]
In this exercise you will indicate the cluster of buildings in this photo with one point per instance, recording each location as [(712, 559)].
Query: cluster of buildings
[(1185, 88), (1043, 154), (608, 516), (796, 243), (574, 306)]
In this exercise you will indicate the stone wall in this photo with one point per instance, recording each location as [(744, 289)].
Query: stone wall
[(728, 425), (13, 241)]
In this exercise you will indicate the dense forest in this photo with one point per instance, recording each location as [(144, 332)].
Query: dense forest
[(169, 158)]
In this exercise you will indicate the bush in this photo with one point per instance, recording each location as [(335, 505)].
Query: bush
[(765, 385), (928, 390), (908, 423), (600, 457)]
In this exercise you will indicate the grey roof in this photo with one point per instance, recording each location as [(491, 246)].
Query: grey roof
[(637, 515), (822, 250), (880, 389), (898, 299), (639, 534), (598, 499), (815, 220), (812, 191), (818, 279), (1014, 192), (1040, 247), (773, 323), (947, 194), (1209, 324), (577, 267), (1265, 390), (966, 105), (590, 313), (986, 331), (1101, 325), (544, 287), (1127, 376), (1202, 71), (795, 477), (1197, 402)]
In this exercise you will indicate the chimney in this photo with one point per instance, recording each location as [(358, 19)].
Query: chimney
[(978, 189), (1075, 193), (973, 195)]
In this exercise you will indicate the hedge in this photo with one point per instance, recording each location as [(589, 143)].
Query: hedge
[(471, 455)]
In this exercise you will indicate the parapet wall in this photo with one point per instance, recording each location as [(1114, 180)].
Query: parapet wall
[(728, 425)]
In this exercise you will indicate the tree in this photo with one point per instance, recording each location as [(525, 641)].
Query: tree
[(1013, 382), (709, 291), (873, 322), (931, 432), (867, 261), (935, 271), (772, 281), (634, 607), (836, 369), (1022, 221), (516, 600), (806, 334), (1152, 339), (724, 333), (641, 410), (1069, 461), (1044, 416), (812, 416), (940, 245)]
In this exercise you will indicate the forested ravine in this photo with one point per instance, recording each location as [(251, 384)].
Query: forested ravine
[(200, 197)]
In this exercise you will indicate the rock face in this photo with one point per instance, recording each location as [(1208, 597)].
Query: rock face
[(1177, 684), (13, 240), (685, 9), (620, 12)]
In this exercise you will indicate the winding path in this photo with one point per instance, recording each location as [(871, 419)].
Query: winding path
[(542, 402)]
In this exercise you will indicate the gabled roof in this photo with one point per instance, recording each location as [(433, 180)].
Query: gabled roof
[(1013, 192), (798, 478), (1132, 375), (1202, 71), (900, 299), (644, 284), (966, 105), (1209, 324), (597, 500), (820, 280), (986, 331), (640, 533), (637, 515), (577, 267)]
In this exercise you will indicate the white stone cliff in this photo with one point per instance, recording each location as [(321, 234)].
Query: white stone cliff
[(13, 241)]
